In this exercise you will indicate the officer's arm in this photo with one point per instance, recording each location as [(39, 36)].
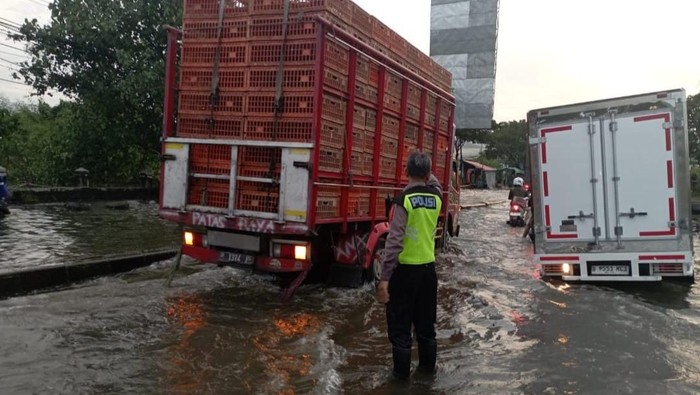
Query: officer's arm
[(433, 182)]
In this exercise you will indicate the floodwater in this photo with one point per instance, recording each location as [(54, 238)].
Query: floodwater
[(56, 234), (501, 330)]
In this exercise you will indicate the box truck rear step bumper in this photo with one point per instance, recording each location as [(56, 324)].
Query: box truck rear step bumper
[(612, 278), (616, 266)]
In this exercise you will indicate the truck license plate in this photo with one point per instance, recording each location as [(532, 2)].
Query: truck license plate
[(610, 270), (234, 257)]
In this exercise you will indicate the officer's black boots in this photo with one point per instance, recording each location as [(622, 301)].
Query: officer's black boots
[(402, 363), (427, 354)]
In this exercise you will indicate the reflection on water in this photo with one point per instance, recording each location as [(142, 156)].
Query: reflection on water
[(286, 368), (186, 313), (45, 235), (218, 342)]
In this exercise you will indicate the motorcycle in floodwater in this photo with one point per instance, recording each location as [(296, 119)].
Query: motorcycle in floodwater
[(519, 213)]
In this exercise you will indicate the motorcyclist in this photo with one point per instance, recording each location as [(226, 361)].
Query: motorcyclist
[(518, 197), (517, 190)]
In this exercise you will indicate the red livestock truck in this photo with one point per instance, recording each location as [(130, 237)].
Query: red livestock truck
[(293, 123)]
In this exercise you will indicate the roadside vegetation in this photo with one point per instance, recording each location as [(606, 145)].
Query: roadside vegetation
[(108, 59)]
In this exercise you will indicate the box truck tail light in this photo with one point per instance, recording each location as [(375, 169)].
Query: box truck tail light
[(667, 268), (552, 268), (567, 269), (290, 251)]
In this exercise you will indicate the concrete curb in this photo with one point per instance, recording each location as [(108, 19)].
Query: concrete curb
[(27, 281), (71, 194)]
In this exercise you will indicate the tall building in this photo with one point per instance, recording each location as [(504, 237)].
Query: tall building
[(463, 37)]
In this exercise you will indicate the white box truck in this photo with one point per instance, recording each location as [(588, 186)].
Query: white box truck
[(611, 189)]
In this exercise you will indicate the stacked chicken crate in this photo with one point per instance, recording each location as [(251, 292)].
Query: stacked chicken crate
[(246, 60)]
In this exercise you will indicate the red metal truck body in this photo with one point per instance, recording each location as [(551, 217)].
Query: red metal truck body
[(292, 130)]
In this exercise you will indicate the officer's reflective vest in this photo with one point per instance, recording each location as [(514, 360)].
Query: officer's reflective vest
[(423, 205)]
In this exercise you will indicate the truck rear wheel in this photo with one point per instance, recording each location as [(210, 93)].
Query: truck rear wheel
[(443, 241), (373, 273)]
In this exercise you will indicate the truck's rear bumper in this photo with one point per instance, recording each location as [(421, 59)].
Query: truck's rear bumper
[(262, 263), (616, 266)]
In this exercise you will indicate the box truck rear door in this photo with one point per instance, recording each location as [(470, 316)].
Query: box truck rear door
[(570, 159), (643, 154)]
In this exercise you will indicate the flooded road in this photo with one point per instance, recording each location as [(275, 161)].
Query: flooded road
[(500, 330), (53, 234)]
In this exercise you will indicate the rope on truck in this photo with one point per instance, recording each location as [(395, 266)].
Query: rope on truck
[(214, 93), (278, 105), (279, 77)]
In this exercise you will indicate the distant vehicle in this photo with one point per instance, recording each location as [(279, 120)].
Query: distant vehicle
[(4, 192), (611, 189), (288, 142)]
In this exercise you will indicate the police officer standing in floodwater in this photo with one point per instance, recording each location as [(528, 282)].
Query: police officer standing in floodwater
[(408, 283)]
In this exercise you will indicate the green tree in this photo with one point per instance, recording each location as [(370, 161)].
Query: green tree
[(108, 56), (8, 122), (693, 105), (33, 145), (478, 136), (508, 143)]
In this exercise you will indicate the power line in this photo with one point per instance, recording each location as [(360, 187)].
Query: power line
[(10, 22), (39, 3), (9, 27), (10, 46), (10, 62), (8, 32), (13, 82), (23, 84), (9, 68), (13, 54)]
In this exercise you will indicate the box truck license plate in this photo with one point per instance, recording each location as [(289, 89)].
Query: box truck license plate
[(234, 257), (610, 270)]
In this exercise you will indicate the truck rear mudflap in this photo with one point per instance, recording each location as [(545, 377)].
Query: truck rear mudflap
[(616, 266)]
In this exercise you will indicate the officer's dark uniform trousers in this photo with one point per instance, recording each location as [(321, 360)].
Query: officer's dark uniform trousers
[(413, 302)]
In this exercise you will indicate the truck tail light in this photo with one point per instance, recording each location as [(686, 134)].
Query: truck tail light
[(300, 252), (193, 239), (566, 268), (290, 251)]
